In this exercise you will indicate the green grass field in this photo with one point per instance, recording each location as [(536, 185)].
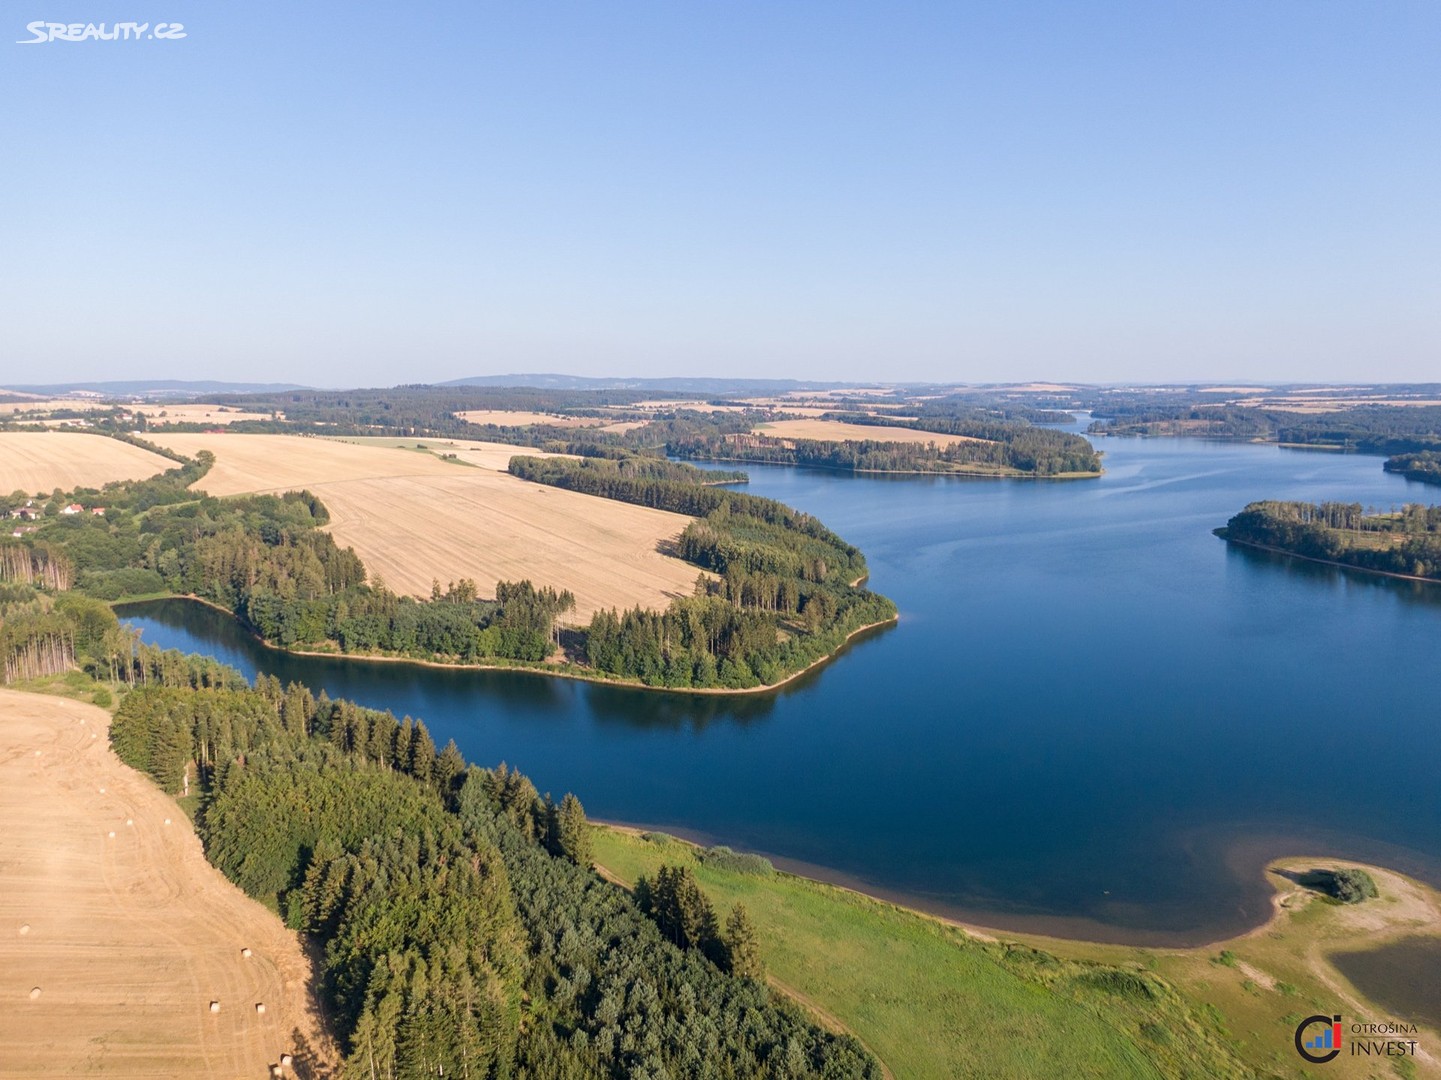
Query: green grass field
[(931, 1001)]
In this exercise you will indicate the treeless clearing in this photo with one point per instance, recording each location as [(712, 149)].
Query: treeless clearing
[(34, 404), (690, 405), (37, 461), (210, 415), (519, 418), (834, 431), (131, 933), (414, 518)]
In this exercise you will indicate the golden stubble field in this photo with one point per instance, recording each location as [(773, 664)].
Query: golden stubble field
[(414, 518), (836, 431), (116, 934), (34, 461)]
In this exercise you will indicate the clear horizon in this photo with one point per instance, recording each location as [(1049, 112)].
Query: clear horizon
[(366, 196)]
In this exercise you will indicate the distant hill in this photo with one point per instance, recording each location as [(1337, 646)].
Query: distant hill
[(153, 388), (680, 384)]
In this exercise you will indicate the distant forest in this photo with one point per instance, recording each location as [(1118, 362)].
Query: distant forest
[(1405, 542), (1371, 429), (1015, 443), (461, 928)]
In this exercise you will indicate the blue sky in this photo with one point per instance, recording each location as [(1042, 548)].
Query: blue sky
[(344, 194)]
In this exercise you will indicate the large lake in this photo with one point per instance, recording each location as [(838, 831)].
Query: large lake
[(1093, 718)]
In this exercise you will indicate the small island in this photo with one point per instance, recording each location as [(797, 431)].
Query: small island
[(1403, 543)]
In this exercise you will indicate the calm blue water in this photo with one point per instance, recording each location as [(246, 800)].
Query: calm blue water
[(1094, 717)]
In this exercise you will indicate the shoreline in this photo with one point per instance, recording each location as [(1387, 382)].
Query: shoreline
[(1323, 562), (906, 472), (1063, 930), (540, 668)]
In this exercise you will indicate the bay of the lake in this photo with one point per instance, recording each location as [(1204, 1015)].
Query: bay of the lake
[(1093, 718)]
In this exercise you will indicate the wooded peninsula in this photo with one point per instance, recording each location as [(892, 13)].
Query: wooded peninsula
[(1405, 543)]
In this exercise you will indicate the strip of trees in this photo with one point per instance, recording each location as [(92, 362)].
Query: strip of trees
[(785, 593)]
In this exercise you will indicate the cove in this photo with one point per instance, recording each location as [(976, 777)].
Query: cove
[(1094, 718)]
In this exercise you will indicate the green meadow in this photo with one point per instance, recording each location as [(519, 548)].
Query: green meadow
[(931, 1001)]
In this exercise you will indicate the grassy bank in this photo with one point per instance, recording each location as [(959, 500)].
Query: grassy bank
[(933, 1001)]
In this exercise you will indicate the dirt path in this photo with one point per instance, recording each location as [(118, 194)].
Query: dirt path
[(109, 910)]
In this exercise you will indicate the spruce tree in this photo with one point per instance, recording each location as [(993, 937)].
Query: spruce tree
[(572, 832), (743, 951)]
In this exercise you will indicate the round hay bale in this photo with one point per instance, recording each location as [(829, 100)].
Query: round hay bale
[(34, 992), (215, 1006), (111, 834), (286, 1061), (130, 821), (102, 791), (245, 953), (260, 1006), (24, 929), (167, 821)]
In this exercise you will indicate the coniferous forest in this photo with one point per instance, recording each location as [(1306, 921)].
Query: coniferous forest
[(462, 929)]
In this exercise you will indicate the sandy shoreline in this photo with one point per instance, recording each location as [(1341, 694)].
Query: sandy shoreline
[(1253, 860)]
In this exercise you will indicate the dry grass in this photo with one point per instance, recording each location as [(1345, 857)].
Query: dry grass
[(520, 418), (414, 518), (46, 405), (130, 938), (36, 461), (834, 431), (210, 415)]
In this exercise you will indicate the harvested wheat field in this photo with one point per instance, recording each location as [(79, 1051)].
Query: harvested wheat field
[(115, 933), (414, 518), (834, 431), (38, 404), (519, 418), (210, 415), (41, 461)]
